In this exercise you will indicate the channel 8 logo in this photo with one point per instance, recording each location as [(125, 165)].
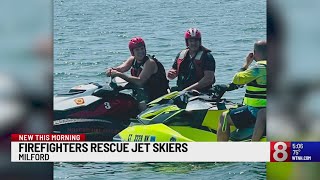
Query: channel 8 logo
[(280, 152)]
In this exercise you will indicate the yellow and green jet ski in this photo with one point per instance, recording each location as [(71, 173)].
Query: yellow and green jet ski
[(182, 117)]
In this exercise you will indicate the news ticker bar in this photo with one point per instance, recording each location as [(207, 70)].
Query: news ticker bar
[(74, 148), (139, 152)]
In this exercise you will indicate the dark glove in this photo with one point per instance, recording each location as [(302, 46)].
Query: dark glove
[(220, 87), (219, 90), (232, 87)]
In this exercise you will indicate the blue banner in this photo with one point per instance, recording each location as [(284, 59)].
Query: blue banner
[(305, 151)]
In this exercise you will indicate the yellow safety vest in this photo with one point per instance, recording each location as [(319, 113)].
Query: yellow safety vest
[(256, 91)]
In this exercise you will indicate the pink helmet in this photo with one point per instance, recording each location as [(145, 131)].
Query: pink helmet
[(136, 42), (192, 33)]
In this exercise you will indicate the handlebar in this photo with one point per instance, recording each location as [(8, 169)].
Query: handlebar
[(120, 84)]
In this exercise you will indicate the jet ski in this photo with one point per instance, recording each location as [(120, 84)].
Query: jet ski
[(184, 117), (98, 111)]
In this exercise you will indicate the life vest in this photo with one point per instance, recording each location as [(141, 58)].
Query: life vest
[(136, 68), (194, 74), (157, 85), (256, 94)]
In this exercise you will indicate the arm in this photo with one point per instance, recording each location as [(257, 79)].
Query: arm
[(172, 73), (208, 79), (125, 66), (249, 60), (249, 75), (246, 75), (150, 67)]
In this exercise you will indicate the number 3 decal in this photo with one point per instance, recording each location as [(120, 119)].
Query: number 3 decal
[(107, 105)]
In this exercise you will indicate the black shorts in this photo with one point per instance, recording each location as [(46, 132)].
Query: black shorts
[(242, 117)]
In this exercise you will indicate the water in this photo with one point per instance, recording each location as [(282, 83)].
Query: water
[(90, 36), (160, 171)]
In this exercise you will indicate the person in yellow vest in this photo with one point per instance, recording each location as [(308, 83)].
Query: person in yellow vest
[(256, 92)]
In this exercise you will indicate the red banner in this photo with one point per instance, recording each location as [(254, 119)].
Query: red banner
[(48, 137)]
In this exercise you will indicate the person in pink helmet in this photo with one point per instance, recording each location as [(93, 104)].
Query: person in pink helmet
[(146, 71), (194, 66)]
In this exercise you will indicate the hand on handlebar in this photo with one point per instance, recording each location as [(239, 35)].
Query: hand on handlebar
[(111, 72), (232, 87), (108, 72)]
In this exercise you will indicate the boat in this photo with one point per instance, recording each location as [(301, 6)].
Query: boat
[(183, 117)]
